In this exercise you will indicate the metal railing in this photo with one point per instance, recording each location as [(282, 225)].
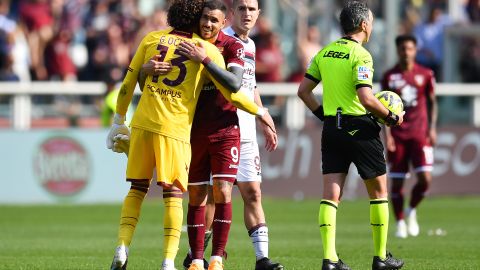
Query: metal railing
[(294, 114)]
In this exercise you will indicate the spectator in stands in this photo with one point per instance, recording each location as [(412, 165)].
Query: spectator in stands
[(430, 40), (59, 64), (470, 60), (8, 44), (308, 44), (7, 29), (473, 10), (36, 17), (269, 62), (269, 57), (157, 21), (6, 70)]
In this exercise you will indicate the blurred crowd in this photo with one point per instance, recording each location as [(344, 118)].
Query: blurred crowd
[(94, 40)]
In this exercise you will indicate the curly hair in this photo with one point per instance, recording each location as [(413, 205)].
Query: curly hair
[(184, 15)]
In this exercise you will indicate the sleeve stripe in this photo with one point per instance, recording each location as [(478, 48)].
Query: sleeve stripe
[(363, 85), (310, 77), (234, 64)]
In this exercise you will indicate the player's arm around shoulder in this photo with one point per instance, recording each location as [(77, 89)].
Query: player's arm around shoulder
[(238, 99), (232, 81)]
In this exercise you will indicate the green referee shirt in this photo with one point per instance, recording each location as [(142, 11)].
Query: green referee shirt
[(342, 66)]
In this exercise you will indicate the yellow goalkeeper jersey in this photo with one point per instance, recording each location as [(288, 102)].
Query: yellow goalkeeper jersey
[(168, 102)]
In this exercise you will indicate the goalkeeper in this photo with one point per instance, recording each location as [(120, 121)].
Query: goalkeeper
[(349, 135)]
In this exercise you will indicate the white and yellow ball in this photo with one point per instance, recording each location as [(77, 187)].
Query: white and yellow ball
[(391, 101)]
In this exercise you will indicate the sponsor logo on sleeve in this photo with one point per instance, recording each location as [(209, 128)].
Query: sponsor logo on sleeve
[(363, 73)]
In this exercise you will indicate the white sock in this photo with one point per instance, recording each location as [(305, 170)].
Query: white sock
[(260, 242), (411, 211), (168, 263), (197, 261), (215, 258)]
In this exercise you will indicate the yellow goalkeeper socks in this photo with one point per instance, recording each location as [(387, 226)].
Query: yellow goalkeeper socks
[(129, 216), (327, 219), (172, 225), (379, 222)]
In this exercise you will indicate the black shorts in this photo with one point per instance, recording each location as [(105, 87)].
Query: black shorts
[(358, 141)]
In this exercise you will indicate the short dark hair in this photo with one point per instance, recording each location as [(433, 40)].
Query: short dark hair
[(216, 4), (184, 15), (235, 3), (404, 38), (352, 15)]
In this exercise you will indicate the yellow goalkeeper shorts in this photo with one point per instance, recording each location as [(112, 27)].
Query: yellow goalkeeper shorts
[(170, 157)]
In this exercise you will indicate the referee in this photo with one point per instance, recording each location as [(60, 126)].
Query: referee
[(349, 134)]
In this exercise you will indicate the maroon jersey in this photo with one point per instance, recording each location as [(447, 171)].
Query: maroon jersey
[(414, 87), (214, 112)]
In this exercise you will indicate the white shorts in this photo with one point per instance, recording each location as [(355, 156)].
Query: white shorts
[(249, 168)]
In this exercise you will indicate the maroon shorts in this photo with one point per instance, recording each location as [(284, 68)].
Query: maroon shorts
[(215, 155), (417, 151)]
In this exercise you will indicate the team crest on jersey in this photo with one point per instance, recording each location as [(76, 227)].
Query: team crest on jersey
[(419, 79), (241, 53), (396, 81), (363, 73)]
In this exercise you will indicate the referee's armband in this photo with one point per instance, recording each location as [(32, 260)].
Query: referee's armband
[(319, 113)]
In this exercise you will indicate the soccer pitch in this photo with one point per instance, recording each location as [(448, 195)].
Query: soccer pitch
[(84, 237)]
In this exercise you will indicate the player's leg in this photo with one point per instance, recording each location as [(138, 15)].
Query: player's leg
[(377, 192), (197, 195), (335, 165), (209, 213), (172, 225), (369, 159), (397, 197), (224, 158), (422, 159), (172, 159), (327, 218), (398, 171), (222, 194), (139, 174), (198, 182), (248, 182)]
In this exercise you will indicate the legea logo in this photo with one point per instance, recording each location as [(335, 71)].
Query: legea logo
[(62, 166)]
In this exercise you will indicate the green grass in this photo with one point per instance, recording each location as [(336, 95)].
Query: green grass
[(84, 237)]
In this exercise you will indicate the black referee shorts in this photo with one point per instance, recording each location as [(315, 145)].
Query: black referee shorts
[(358, 141)]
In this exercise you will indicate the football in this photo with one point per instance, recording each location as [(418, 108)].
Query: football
[(391, 101)]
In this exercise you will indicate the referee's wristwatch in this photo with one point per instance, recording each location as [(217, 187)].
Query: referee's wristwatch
[(391, 119), (318, 112)]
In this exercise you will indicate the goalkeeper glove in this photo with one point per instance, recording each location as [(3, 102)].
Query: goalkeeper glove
[(121, 144), (118, 127)]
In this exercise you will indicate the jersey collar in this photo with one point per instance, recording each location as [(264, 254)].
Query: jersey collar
[(220, 37), (181, 33), (350, 38)]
